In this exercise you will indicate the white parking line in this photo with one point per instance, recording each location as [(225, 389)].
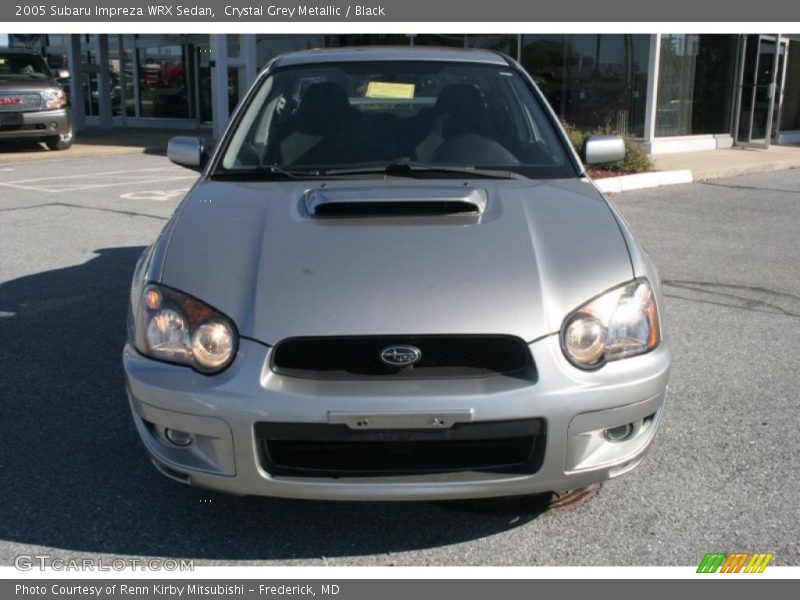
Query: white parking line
[(155, 195), (88, 181)]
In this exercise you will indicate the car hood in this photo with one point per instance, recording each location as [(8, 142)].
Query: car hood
[(253, 251), (24, 85)]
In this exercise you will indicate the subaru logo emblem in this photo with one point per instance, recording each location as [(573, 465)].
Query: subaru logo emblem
[(401, 356)]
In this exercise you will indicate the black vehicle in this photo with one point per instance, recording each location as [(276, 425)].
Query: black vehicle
[(33, 104)]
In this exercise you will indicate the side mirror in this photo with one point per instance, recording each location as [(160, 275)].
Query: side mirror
[(186, 152), (62, 74), (600, 149)]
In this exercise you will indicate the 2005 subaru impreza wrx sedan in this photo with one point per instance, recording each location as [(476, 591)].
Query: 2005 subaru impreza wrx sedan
[(394, 280)]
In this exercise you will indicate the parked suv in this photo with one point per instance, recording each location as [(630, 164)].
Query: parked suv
[(33, 105), (394, 280)]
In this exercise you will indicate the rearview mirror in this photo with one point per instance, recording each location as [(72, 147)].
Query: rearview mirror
[(600, 149), (62, 74), (186, 152)]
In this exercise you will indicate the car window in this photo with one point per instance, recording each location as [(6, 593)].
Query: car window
[(23, 66), (384, 112)]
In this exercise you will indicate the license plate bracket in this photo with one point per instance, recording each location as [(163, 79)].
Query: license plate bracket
[(444, 419), (10, 119)]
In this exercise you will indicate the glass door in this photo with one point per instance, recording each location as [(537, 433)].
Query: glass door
[(761, 62)]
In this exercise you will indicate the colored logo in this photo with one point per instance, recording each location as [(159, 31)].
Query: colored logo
[(734, 562)]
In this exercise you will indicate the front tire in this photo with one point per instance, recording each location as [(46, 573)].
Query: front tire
[(61, 142)]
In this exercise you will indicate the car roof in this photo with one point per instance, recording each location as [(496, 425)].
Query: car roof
[(369, 53)]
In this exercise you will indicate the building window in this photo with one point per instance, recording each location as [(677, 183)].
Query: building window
[(695, 84), (505, 43), (163, 85), (450, 40), (127, 92), (500, 42), (592, 81), (89, 73), (120, 75), (56, 54), (270, 46), (790, 113), (367, 39)]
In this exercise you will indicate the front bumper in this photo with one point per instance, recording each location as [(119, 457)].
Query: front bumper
[(223, 412), (36, 124)]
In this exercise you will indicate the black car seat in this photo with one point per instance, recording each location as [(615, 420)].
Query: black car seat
[(322, 130), (459, 110)]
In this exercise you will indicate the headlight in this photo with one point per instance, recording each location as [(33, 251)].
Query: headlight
[(622, 322), (173, 326), (54, 98), (213, 344)]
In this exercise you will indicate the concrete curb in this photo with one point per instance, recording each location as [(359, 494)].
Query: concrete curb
[(639, 181)]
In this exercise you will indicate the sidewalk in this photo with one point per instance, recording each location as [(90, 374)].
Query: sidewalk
[(712, 164), (95, 142), (685, 167)]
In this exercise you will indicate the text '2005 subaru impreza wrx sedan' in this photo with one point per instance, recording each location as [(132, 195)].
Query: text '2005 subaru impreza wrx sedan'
[(393, 280)]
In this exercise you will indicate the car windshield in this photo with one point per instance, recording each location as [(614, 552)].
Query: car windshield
[(23, 66), (426, 117)]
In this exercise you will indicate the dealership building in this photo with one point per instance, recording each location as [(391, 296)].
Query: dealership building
[(672, 92)]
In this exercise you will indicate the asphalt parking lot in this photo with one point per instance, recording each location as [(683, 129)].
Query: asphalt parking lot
[(722, 474)]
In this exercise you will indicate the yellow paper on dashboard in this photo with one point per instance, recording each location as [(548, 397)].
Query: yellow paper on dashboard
[(386, 89)]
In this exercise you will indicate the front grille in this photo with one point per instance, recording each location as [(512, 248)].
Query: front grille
[(11, 102), (322, 450), (442, 356)]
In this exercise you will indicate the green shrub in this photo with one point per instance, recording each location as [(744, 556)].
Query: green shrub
[(636, 159), (576, 137)]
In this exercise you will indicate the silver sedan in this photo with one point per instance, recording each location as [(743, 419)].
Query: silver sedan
[(393, 280)]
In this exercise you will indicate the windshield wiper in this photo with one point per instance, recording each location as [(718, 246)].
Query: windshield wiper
[(293, 173), (399, 169), (267, 172), (408, 168)]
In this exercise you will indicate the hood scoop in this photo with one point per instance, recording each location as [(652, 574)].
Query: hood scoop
[(399, 201)]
